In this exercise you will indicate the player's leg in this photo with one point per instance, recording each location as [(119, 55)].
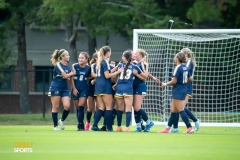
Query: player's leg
[(137, 116), (128, 102), (137, 107), (171, 119), (81, 103), (99, 113), (107, 99), (66, 104), (114, 110), (90, 106), (179, 104), (120, 104), (55, 105)]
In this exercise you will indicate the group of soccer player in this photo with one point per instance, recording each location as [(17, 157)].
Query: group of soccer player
[(97, 83)]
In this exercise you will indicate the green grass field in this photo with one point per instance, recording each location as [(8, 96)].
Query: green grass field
[(208, 143)]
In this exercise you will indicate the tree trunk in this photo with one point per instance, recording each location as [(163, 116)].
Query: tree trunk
[(22, 65), (92, 45)]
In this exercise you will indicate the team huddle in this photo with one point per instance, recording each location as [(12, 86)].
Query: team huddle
[(112, 88)]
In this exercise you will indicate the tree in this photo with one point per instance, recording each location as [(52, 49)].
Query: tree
[(21, 11)]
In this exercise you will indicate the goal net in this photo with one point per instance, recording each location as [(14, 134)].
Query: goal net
[(216, 83)]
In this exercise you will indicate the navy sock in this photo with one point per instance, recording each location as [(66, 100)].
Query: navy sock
[(89, 115), (104, 119), (98, 116), (137, 117), (175, 124), (185, 118), (64, 115), (80, 115), (94, 114), (190, 115), (108, 118), (172, 119), (128, 118), (55, 118), (143, 114), (77, 114), (114, 111), (119, 117)]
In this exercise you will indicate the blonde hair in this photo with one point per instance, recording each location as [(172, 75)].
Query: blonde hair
[(57, 55), (86, 56), (93, 60), (102, 52), (143, 54), (190, 55)]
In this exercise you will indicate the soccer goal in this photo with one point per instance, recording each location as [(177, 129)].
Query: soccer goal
[(216, 84)]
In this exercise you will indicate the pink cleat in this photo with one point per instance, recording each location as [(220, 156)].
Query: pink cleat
[(189, 131), (87, 126), (166, 130)]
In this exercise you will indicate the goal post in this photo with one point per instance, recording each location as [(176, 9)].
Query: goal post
[(216, 82)]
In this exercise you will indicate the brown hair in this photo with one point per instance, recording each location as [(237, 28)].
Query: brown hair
[(128, 55), (190, 55), (102, 53), (181, 57), (143, 54), (93, 60), (86, 56), (57, 55)]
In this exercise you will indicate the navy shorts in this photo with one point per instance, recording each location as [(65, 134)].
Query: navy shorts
[(91, 90), (82, 93), (140, 88), (179, 94), (58, 93)]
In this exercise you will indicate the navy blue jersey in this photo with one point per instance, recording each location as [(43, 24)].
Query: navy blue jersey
[(103, 85), (190, 66), (125, 81), (142, 66), (179, 89), (59, 83), (80, 78)]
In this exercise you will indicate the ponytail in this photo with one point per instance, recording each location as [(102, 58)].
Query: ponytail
[(128, 55), (143, 54), (93, 60), (101, 56), (57, 55), (190, 55)]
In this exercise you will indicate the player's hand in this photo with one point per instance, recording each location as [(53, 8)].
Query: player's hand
[(75, 92), (135, 71), (145, 63), (156, 80), (93, 81), (163, 84), (114, 86), (120, 69)]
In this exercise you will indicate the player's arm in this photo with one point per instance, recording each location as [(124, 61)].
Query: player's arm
[(75, 91), (170, 83), (139, 73), (107, 74), (153, 78), (145, 69)]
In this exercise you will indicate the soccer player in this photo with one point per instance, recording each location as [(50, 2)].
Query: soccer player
[(103, 88), (139, 91), (180, 77), (124, 89), (191, 64), (80, 86), (58, 90), (91, 86)]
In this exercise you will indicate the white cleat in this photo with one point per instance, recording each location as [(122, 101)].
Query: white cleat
[(56, 128), (61, 124), (197, 124)]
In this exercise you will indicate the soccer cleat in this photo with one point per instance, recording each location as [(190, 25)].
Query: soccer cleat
[(95, 128), (189, 131), (56, 128), (80, 127), (197, 124), (110, 129), (119, 129), (148, 126), (174, 130), (127, 129), (87, 126), (61, 124), (138, 129), (104, 128), (166, 130)]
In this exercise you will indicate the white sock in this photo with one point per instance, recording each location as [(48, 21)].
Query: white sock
[(148, 122), (138, 125)]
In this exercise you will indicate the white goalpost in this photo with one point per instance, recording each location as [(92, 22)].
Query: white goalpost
[(216, 82)]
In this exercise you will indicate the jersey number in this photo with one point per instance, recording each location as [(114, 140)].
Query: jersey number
[(185, 77), (81, 78), (127, 76)]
